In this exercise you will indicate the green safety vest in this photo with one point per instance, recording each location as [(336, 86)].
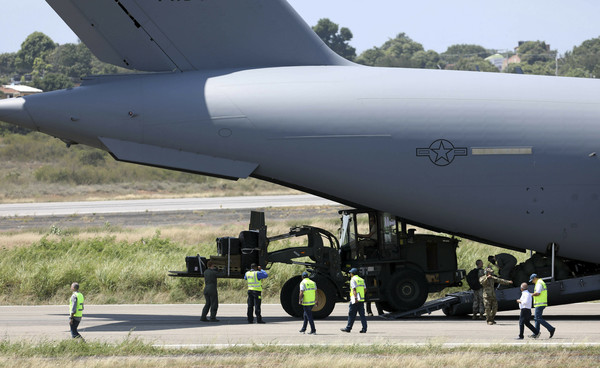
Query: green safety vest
[(79, 308), (360, 288), (310, 292), (542, 299), (253, 282)]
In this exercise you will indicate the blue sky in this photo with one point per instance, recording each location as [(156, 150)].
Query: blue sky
[(436, 24)]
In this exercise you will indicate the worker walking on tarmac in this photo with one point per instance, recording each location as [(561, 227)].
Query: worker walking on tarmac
[(254, 277), (540, 302), (308, 299), (525, 303), (210, 294), (489, 294), (357, 301), (75, 310)]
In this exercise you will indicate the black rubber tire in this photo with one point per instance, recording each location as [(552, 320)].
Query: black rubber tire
[(289, 297), (327, 297), (386, 307), (407, 289)]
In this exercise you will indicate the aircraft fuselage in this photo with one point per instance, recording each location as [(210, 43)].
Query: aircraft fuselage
[(507, 159)]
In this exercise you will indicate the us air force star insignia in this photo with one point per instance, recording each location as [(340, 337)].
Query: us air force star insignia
[(442, 152)]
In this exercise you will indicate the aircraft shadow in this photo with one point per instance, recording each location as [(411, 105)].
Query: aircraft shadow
[(502, 318), (145, 322)]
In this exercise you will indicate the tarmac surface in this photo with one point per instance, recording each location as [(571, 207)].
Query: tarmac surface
[(178, 325)]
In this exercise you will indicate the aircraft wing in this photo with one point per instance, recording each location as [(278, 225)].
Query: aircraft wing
[(185, 35)]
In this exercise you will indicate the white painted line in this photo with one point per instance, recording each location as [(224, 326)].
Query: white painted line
[(502, 151)]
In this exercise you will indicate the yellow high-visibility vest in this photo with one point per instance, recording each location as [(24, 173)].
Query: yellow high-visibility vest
[(542, 299), (360, 288), (253, 282), (310, 292), (79, 308)]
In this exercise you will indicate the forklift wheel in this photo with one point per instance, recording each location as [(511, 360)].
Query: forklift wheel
[(289, 297), (327, 297), (407, 289)]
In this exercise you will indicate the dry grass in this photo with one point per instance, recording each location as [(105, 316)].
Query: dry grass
[(135, 263), (288, 358)]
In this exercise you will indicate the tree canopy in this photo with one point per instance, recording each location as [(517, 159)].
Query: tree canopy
[(337, 41), (36, 45), (401, 52), (456, 52), (52, 66)]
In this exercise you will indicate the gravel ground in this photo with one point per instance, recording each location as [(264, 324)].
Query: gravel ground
[(149, 219)]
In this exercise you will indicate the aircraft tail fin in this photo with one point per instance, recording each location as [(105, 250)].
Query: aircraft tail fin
[(195, 34)]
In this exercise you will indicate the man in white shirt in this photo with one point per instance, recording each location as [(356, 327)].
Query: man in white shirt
[(525, 304)]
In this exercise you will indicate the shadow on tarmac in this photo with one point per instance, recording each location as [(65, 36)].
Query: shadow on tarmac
[(144, 322)]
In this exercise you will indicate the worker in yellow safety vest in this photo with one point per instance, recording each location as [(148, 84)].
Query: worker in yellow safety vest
[(540, 302), (254, 277), (75, 310), (357, 301), (308, 299)]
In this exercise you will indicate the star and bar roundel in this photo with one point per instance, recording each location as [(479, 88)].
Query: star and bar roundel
[(441, 152)]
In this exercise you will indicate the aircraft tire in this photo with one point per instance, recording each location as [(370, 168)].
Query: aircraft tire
[(407, 289), (326, 296), (289, 297)]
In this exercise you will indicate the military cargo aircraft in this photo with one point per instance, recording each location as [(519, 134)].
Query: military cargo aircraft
[(244, 88)]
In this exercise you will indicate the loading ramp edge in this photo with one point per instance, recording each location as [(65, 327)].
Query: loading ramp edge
[(433, 305)]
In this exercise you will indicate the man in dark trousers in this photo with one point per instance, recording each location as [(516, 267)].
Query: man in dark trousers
[(210, 294), (540, 302), (525, 304), (75, 310), (357, 301), (254, 278), (308, 299)]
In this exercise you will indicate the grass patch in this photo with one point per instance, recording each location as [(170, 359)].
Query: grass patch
[(116, 265), (135, 353), (37, 167)]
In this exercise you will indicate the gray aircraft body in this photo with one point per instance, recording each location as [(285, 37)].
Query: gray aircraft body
[(244, 88)]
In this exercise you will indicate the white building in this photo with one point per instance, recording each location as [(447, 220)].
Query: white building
[(18, 90)]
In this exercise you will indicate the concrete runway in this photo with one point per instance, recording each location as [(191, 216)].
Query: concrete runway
[(159, 205), (179, 326)]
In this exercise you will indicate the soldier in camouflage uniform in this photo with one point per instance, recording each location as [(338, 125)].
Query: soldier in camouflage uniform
[(489, 294), (478, 306)]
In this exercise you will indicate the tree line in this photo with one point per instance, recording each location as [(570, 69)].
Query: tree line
[(43, 64)]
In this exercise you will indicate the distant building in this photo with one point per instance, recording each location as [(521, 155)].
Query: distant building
[(496, 60), (18, 90), (515, 59)]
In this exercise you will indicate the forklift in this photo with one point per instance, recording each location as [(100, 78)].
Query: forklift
[(400, 267)]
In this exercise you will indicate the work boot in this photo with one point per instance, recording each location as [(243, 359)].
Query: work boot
[(475, 316), (203, 319), (552, 332)]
